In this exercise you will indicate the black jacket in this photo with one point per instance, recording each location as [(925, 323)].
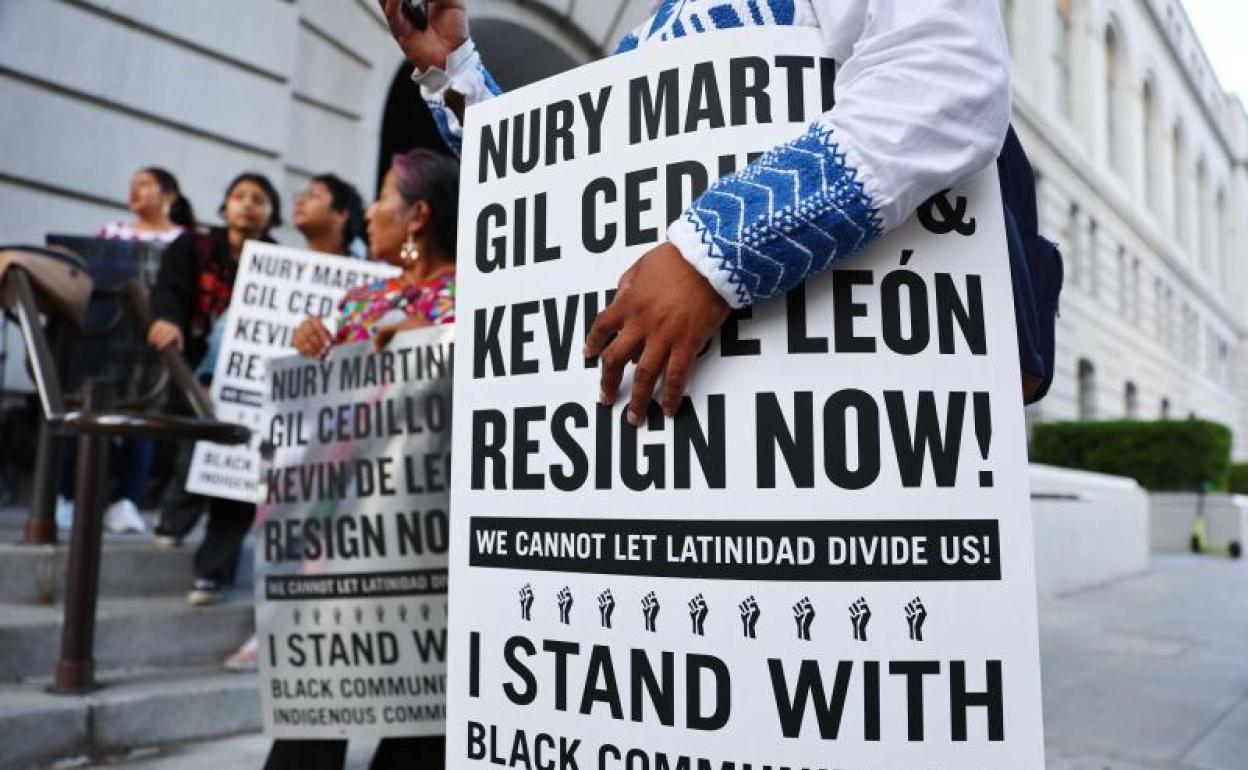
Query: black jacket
[(194, 285)]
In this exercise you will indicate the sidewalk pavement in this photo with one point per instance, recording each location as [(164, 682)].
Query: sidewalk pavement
[(1151, 672), (1148, 673)]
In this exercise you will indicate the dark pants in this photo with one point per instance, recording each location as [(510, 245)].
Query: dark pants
[(392, 754), (129, 465), (228, 522)]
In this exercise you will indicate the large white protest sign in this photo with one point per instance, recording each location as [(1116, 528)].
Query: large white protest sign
[(275, 290), (825, 559), (352, 543)]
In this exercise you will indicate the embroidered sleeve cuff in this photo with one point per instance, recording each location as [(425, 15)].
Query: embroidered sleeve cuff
[(434, 81), (788, 215), (689, 236)]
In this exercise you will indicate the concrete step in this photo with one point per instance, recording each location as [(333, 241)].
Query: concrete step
[(35, 574), (130, 565), (130, 633), (136, 708)]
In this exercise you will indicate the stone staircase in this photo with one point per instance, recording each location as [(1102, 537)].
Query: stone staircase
[(158, 659)]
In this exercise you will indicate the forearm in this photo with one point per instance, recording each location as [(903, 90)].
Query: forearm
[(922, 103)]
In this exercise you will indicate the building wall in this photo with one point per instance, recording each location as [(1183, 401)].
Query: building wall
[(95, 89), (1154, 292)]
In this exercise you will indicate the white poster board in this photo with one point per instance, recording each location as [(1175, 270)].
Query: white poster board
[(825, 560), (276, 288), (352, 538)]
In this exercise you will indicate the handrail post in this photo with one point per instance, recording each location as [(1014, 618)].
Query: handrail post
[(75, 672), (40, 526)]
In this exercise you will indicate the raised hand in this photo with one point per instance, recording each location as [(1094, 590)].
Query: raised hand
[(859, 617), (697, 614), (803, 615), (606, 605), (650, 610), (526, 603), (916, 613), (429, 47), (749, 616)]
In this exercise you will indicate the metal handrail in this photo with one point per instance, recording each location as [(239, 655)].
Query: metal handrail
[(94, 422), (134, 424)]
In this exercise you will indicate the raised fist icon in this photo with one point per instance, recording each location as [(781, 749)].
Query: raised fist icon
[(749, 616), (697, 614), (804, 615), (859, 617), (526, 602), (650, 610), (916, 613), (565, 605), (606, 605)]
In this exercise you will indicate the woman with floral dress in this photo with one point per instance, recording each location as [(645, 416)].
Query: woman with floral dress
[(412, 225)]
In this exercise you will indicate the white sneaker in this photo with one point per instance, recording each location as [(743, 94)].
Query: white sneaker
[(245, 658), (64, 513), (123, 516), (204, 593)]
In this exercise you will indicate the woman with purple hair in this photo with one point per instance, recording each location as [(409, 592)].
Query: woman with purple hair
[(411, 225)]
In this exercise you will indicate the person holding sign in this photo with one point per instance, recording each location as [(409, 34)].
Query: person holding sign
[(412, 225), (922, 101), (190, 297)]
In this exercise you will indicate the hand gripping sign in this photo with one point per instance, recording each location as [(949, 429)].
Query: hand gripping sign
[(825, 559), (275, 289), (352, 540)]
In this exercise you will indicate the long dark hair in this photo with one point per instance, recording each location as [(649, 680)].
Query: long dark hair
[(424, 175), (345, 199), (270, 192), (180, 213)]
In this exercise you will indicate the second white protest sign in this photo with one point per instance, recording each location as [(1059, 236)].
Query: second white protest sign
[(275, 290)]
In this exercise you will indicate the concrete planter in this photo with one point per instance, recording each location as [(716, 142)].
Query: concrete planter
[(1173, 517), (1089, 528)]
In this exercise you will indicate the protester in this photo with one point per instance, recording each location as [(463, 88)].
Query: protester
[(161, 213), (412, 225), (330, 215), (922, 102), (191, 295)]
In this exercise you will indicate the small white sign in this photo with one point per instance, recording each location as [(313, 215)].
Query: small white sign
[(276, 288)]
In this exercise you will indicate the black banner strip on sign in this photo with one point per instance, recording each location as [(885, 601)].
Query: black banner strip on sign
[(830, 551), (355, 585), (231, 395)]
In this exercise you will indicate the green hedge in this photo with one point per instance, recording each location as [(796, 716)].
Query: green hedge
[(1162, 455), (1238, 479)]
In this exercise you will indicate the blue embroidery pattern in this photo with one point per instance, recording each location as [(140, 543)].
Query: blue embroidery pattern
[(673, 18), (785, 216), (439, 111), (793, 211)]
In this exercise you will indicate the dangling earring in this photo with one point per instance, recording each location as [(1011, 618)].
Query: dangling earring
[(409, 253)]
